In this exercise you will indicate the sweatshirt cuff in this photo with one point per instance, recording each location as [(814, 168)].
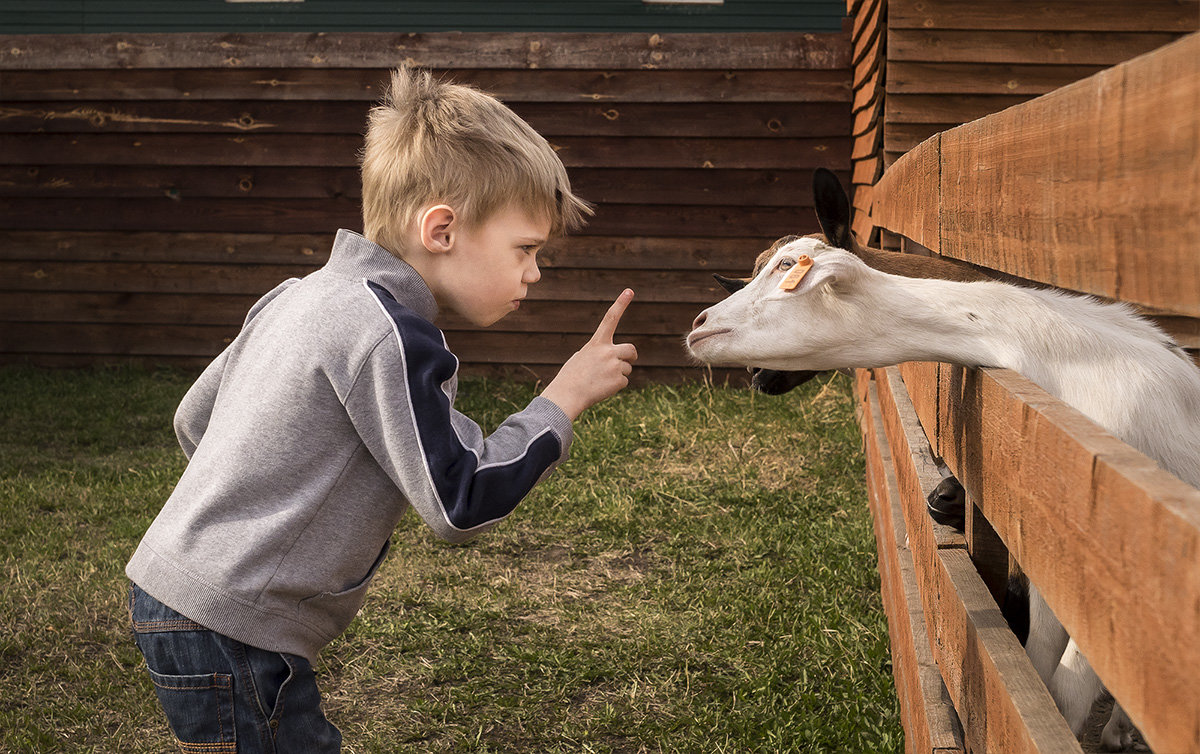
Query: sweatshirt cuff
[(558, 422)]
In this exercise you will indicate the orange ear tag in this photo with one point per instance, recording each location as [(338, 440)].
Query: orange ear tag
[(796, 274)]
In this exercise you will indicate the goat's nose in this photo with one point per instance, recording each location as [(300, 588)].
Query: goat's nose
[(696, 323)]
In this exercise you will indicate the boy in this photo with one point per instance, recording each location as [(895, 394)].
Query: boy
[(332, 412)]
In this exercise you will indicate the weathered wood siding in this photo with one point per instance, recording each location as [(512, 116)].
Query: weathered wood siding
[(154, 185), (95, 16)]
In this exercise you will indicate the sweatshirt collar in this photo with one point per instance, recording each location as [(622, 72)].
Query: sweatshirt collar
[(355, 256)]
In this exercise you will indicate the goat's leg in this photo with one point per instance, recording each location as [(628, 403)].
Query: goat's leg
[(1047, 637), (1075, 687), (1118, 732)]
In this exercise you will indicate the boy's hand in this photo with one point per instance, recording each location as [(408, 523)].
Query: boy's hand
[(598, 370)]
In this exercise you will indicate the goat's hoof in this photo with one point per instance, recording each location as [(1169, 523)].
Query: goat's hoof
[(947, 503)]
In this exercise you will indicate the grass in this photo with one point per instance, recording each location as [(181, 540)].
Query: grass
[(700, 576)]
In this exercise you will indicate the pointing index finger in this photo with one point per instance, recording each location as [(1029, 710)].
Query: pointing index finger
[(612, 318)]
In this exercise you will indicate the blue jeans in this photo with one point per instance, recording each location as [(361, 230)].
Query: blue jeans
[(222, 696)]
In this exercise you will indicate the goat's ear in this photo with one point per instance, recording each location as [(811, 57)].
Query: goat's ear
[(833, 208), (731, 285)]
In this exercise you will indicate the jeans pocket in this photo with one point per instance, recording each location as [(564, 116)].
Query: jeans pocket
[(200, 710)]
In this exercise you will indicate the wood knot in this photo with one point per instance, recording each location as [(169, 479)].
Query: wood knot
[(245, 120), (774, 125), (245, 183), (611, 113)]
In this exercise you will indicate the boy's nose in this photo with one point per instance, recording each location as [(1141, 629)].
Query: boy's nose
[(533, 274)]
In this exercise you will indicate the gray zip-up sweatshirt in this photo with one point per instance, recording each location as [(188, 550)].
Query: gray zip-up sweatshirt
[(328, 415)]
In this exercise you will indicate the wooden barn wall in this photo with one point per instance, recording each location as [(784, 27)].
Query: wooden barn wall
[(153, 186), (923, 66), (100, 16)]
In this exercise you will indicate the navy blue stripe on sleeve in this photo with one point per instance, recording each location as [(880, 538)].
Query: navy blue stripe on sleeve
[(469, 495)]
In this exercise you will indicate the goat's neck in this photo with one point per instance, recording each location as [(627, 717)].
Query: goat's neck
[(976, 324)]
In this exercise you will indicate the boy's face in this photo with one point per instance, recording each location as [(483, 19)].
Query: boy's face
[(488, 270)]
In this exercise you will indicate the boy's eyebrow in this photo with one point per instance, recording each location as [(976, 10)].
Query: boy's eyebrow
[(531, 240)]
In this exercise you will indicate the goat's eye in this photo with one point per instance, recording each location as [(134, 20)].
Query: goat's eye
[(785, 264)]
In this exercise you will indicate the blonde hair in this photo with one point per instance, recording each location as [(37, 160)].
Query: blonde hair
[(434, 142)]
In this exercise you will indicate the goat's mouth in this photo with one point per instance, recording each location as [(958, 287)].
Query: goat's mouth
[(695, 336)]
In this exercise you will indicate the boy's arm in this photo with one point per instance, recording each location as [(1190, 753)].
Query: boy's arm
[(191, 418), (458, 481)]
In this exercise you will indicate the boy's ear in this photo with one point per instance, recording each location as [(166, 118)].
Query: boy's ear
[(437, 228), (833, 208)]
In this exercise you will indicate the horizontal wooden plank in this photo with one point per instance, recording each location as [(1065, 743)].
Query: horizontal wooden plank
[(1080, 510), (532, 373), (900, 138), (521, 50), (679, 119), (1020, 47), (538, 315), (367, 85), (1060, 15), (1087, 201), (493, 347), (342, 151), (977, 78), (590, 252), (947, 108), (715, 186), (1000, 700), (318, 216), (680, 285)]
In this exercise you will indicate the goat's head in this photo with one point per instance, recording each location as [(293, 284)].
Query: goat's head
[(807, 328), (833, 213)]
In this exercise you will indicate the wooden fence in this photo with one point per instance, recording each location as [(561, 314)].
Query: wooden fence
[(153, 185), (1092, 187)]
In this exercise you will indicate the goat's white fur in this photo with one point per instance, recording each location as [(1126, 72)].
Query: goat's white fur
[(1111, 365)]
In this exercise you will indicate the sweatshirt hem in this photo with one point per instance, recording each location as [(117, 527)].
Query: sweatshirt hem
[(223, 613)]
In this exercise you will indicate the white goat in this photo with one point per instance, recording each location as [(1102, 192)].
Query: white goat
[(1109, 364)]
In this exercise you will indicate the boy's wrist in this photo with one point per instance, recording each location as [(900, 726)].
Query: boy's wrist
[(564, 400)]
